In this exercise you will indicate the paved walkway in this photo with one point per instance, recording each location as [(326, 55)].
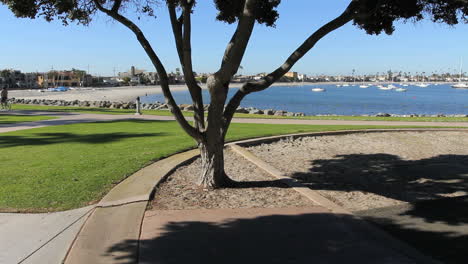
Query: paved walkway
[(73, 118), (39, 238), (259, 235)]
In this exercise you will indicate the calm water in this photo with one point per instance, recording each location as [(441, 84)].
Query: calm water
[(352, 100)]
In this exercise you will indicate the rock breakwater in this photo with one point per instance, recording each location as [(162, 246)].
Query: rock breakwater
[(188, 107)]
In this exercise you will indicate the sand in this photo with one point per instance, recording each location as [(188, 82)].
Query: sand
[(357, 171), (113, 94), (259, 190), (368, 171)]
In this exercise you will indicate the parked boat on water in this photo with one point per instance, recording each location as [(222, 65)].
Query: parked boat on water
[(400, 89), (385, 88), (423, 85), (318, 90), (460, 85)]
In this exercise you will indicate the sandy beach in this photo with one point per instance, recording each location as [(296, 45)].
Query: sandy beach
[(113, 94)]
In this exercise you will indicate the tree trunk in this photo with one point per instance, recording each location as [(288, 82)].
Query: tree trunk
[(212, 158), (212, 144)]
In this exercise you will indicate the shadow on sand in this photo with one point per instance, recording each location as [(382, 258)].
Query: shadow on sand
[(389, 176), (431, 222)]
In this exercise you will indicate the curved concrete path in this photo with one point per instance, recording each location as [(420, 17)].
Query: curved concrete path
[(73, 118)]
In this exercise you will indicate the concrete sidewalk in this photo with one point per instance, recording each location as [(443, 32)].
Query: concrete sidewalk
[(73, 118), (258, 235), (39, 238)]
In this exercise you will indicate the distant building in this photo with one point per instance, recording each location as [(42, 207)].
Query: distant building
[(292, 75), (133, 72), (74, 78)]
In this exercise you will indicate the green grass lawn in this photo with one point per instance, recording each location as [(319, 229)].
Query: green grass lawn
[(94, 110), (69, 166), (13, 119)]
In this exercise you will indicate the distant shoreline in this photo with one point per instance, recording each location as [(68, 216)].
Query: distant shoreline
[(129, 93)]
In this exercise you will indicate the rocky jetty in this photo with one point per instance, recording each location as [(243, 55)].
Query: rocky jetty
[(189, 107)]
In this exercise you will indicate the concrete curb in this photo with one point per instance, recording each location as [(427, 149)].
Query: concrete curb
[(118, 216), (263, 140), (314, 196), (294, 184)]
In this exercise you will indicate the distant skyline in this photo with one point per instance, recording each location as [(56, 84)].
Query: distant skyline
[(36, 45)]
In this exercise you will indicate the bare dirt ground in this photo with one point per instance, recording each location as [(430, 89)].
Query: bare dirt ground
[(366, 171), (258, 190)]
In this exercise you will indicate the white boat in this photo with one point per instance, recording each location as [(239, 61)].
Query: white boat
[(385, 88), (318, 90), (391, 86), (363, 86), (460, 85), (400, 89), (423, 85), (404, 85), (345, 85)]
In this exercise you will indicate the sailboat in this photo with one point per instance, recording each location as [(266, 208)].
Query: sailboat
[(460, 85)]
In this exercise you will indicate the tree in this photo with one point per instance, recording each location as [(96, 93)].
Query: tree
[(373, 16), (126, 80)]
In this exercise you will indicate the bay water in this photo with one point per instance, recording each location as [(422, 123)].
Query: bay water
[(351, 100)]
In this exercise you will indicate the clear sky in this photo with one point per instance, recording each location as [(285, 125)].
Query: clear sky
[(36, 45)]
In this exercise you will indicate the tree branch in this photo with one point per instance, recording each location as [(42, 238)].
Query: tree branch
[(176, 28), (116, 6), (237, 45), (164, 82), (268, 80), (184, 50)]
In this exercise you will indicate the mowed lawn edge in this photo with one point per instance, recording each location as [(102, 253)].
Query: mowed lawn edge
[(69, 166), (15, 119), (94, 110)]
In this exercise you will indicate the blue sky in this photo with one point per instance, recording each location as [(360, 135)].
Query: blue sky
[(36, 45)]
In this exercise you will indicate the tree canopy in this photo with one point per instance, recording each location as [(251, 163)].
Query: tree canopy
[(374, 16)]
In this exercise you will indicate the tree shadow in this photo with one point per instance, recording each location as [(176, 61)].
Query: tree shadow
[(438, 227), (70, 110), (389, 176), (41, 113), (41, 139), (300, 238), (430, 221)]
